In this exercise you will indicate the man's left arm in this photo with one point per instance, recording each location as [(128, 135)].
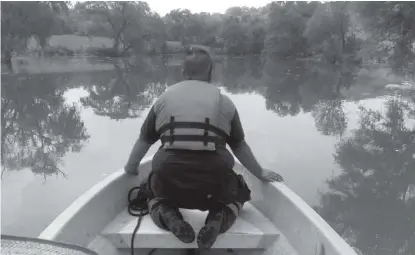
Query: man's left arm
[(148, 136)]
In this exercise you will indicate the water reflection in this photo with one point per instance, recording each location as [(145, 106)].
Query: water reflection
[(37, 127), (283, 81), (127, 91), (239, 75), (377, 159), (135, 83), (307, 86), (45, 128), (329, 117), (372, 202)]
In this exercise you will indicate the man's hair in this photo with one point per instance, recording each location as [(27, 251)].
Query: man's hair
[(197, 62)]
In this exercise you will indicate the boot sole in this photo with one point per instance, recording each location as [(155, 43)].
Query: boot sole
[(207, 237), (184, 232)]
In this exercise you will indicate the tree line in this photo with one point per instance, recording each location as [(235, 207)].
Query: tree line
[(333, 31)]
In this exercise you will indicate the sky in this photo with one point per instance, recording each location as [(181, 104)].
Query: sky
[(164, 6)]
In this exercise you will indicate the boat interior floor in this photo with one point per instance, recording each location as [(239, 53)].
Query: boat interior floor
[(252, 233)]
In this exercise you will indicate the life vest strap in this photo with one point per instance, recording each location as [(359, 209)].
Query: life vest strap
[(194, 138), (193, 125), (206, 132), (171, 128)]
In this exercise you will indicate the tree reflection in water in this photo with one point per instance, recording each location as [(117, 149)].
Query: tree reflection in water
[(283, 81), (289, 87), (239, 75), (329, 117), (372, 202), (136, 85), (307, 86), (37, 127)]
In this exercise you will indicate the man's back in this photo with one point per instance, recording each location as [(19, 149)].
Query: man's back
[(192, 111), (184, 118), (193, 169)]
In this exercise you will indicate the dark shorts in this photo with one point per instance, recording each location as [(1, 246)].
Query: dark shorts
[(194, 179)]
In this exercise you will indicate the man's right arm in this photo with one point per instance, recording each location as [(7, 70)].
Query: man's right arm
[(244, 154), (241, 149)]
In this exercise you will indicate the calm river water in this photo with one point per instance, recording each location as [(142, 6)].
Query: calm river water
[(344, 143)]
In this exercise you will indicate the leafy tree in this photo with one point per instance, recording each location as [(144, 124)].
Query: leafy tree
[(192, 28), (177, 22), (243, 31), (326, 29), (22, 20), (234, 36), (124, 22), (240, 31), (285, 31), (392, 26), (256, 36), (156, 32)]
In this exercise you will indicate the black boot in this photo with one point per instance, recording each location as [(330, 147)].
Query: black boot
[(217, 222), (208, 233), (182, 230), (173, 220)]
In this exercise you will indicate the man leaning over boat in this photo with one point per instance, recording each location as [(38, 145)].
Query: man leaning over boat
[(193, 169)]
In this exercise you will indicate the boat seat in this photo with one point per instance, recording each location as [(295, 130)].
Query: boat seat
[(250, 231)]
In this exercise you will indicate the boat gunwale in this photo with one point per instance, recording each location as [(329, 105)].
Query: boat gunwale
[(63, 219), (324, 228), (331, 237)]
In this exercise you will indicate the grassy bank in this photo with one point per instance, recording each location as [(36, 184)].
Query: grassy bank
[(71, 45)]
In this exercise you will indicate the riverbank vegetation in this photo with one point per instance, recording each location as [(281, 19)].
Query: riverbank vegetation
[(333, 32)]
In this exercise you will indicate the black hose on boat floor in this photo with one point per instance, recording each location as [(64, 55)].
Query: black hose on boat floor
[(137, 207)]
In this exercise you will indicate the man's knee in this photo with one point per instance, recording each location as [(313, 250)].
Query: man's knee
[(231, 213), (235, 208), (161, 212), (226, 215)]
